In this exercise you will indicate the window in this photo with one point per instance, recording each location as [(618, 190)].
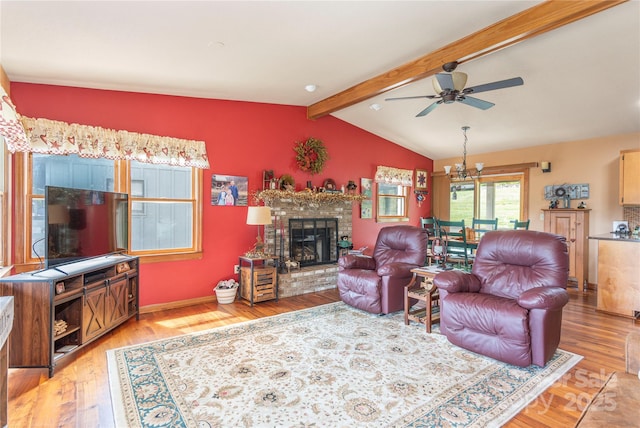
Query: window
[(489, 197), (162, 207), (500, 197), (393, 203), (164, 200)]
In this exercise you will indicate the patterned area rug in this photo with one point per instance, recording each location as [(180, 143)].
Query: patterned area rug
[(329, 366)]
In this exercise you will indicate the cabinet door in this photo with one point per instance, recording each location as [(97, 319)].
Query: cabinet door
[(630, 178), (116, 308), (563, 224), (93, 314), (619, 277)]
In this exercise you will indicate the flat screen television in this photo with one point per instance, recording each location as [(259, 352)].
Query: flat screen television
[(82, 224)]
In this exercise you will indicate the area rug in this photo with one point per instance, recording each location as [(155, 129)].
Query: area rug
[(328, 366)]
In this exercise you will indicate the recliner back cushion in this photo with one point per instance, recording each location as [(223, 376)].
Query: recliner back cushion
[(401, 244), (513, 261)]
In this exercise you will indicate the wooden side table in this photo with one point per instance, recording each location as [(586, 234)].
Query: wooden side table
[(421, 288), (258, 281)]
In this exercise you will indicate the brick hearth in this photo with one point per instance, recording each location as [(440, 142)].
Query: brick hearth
[(307, 280)]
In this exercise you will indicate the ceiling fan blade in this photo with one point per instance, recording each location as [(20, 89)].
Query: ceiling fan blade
[(411, 98), (429, 109), (475, 102), (445, 81), (516, 81)]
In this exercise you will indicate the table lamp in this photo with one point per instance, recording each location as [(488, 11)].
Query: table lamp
[(259, 216)]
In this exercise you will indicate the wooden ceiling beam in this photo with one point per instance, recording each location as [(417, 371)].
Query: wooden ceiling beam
[(532, 22)]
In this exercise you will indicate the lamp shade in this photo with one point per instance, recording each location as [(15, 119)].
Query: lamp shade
[(259, 215)]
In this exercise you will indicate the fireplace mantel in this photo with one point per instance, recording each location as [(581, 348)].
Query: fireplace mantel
[(306, 197)]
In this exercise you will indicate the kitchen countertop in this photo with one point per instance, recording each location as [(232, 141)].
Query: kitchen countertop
[(615, 237)]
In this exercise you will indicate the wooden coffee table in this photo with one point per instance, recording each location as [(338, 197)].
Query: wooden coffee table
[(421, 288)]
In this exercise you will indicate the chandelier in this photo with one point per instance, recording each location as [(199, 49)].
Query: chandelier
[(462, 173)]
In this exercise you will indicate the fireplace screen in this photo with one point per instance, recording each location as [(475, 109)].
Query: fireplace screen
[(313, 241)]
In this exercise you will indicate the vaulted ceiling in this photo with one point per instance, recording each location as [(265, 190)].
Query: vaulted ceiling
[(581, 80)]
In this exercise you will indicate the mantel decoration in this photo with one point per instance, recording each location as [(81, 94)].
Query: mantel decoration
[(311, 155), (306, 196)]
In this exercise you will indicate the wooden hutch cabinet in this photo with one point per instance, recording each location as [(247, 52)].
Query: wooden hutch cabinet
[(60, 310), (573, 224)]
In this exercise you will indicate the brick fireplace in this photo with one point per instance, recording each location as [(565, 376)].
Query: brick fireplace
[(320, 274)]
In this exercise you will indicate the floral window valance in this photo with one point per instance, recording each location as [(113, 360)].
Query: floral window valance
[(60, 138), (389, 175), (10, 127)]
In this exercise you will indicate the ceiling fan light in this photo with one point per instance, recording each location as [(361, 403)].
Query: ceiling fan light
[(459, 80)]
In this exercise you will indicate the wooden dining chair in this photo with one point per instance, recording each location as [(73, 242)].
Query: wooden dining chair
[(457, 249), (522, 225), (481, 225), (431, 225)]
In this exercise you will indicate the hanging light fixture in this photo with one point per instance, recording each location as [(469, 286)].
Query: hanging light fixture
[(462, 173)]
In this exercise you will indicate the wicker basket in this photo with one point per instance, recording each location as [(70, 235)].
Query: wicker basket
[(226, 295)]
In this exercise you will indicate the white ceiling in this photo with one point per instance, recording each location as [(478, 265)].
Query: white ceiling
[(581, 80)]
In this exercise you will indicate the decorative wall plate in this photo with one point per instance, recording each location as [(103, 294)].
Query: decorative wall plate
[(329, 184)]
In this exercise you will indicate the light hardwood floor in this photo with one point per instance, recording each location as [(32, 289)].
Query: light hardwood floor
[(78, 394)]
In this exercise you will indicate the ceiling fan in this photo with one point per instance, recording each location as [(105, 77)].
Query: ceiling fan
[(450, 88)]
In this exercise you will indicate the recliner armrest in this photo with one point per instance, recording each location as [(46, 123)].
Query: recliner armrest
[(397, 269), (544, 298), (455, 281), (351, 261)]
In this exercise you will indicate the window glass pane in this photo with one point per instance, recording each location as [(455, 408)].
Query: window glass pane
[(502, 200), (71, 171), (161, 225), (160, 181), (38, 231), (389, 189), (461, 199)]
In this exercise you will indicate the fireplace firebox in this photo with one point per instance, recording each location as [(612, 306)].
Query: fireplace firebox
[(313, 241)]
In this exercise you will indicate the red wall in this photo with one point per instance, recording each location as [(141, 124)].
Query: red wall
[(243, 139)]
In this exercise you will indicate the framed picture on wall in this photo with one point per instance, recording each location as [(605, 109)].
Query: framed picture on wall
[(366, 184), (421, 179), (366, 209), (229, 190)]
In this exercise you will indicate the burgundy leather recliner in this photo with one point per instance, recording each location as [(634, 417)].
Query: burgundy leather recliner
[(510, 306), (376, 284)]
